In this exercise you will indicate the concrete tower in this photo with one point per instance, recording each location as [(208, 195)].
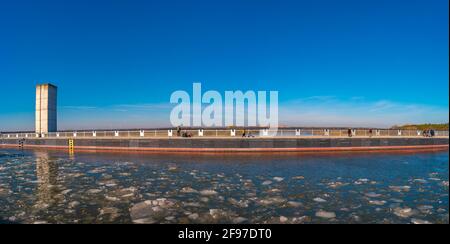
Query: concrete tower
[(46, 115)]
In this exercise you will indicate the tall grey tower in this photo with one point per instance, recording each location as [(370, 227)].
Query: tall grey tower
[(46, 110)]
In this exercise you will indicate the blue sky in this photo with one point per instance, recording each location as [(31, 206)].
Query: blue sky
[(348, 62)]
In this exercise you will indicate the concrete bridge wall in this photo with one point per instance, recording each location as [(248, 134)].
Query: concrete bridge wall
[(234, 144)]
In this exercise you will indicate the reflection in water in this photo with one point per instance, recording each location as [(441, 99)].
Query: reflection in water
[(71, 154), (47, 176)]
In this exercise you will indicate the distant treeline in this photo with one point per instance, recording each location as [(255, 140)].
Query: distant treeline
[(422, 127)]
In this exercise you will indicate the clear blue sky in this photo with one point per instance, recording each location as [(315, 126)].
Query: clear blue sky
[(118, 61)]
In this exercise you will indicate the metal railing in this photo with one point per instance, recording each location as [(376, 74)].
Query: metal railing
[(250, 133)]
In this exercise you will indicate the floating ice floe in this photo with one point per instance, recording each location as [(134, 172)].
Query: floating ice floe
[(208, 193), (111, 212), (420, 221), (421, 181), (319, 200), (404, 212), (300, 220), (336, 184), (298, 177), (151, 211), (173, 169), (376, 202), (193, 216), (170, 218), (361, 181), (218, 214), (204, 199), (65, 192), (274, 190), (400, 188), (325, 215), (266, 183), (294, 204), (40, 222), (192, 204), (236, 203), (271, 201), (278, 179), (74, 204), (188, 190), (283, 219), (434, 179), (239, 220), (96, 171), (112, 199), (93, 191), (372, 195)]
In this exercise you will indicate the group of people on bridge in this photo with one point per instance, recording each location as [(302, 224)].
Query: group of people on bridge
[(429, 133)]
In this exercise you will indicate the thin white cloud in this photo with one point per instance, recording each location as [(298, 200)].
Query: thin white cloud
[(333, 111), (309, 111), (77, 107)]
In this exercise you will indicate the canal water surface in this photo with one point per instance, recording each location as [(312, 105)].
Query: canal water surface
[(57, 187)]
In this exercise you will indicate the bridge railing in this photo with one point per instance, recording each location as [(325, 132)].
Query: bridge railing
[(173, 133)]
